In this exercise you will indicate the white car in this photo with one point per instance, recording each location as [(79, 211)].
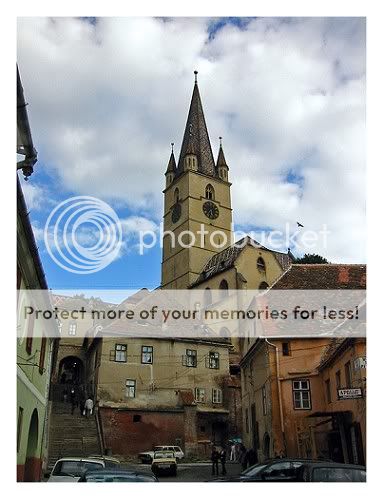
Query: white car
[(147, 457), (71, 469)]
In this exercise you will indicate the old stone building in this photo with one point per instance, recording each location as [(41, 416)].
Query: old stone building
[(183, 395), (290, 402), (35, 340)]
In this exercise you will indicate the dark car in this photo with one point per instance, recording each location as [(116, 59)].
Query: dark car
[(118, 475), (273, 470), (331, 472)]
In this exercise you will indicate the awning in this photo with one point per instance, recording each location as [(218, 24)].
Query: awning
[(324, 414), (212, 410)]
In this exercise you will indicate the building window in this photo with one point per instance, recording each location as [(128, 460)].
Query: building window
[(247, 420), (176, 195), (200, 395), (190, 358), (348, 375), (146, 355), (29, 340), (286, 350), (328, 391), (42, 354), (136, 418), (216, 396), (130, 390), (19, 426), (224, 288), (338, 380), (264, 400), (213, 360), (301, 394), (72, 329), (261, 266), (120, 353), (209, 192)]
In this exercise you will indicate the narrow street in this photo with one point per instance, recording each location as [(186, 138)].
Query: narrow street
[(195, 472)]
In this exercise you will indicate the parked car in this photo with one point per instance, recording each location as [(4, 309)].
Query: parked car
[(110, 462), (118, 475), (147, 457), (71, 469), (164, 462), (331, 472), (273, 470)]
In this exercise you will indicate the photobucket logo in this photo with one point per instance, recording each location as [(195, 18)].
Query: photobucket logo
[(83, 235), (205, 237)]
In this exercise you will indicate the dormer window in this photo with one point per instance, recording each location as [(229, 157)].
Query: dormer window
[(176, 195), (209, 192)]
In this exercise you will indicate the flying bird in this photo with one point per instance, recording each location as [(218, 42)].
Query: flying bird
[(300, 225)]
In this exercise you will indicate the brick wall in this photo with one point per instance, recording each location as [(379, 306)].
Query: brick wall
[(127, 437)]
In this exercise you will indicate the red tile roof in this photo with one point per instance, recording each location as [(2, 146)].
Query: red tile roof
[(323, 276)]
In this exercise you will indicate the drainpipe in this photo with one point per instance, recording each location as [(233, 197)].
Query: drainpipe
[(279, 393)]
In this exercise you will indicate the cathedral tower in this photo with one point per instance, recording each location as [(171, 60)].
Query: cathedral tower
[(197, 208)]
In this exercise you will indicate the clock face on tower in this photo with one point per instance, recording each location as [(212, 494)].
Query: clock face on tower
[(176, 213), (211, 210)]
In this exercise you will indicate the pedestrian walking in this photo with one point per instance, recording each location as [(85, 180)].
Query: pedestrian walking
[(73, 400), (242, 456), (214, 460), (222, 458), (250, 458), (88, 407), (233, 453), (82, 405)]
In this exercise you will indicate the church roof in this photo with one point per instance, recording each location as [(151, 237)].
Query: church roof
[(196, 137), (221, 160), (226, 258), (172, 164)]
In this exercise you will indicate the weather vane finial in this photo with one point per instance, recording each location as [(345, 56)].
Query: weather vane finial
[(172, 144), (220, 141), (195, 75)]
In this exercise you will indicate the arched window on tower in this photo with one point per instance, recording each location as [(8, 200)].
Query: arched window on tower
[(209, 192), (261, 266), (176, 195), (207, 297), (224, 288)]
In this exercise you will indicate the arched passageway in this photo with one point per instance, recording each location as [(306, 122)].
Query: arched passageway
[(32, 459), (71, 371)]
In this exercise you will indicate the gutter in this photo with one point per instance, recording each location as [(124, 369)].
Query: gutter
[(22, 209), (26, 147), (279, 393)]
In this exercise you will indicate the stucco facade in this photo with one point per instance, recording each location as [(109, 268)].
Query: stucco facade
[(34, 352), (290, 402)]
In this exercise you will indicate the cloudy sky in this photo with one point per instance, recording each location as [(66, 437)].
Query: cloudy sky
[(107, 96)]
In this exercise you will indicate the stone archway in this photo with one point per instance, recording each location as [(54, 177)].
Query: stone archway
[(71, 371), (32, 459)]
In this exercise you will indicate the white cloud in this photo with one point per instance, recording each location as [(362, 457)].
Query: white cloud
[(106, 101), (34, 195)]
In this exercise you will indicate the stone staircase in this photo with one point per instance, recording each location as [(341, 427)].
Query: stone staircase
[(71, 435)]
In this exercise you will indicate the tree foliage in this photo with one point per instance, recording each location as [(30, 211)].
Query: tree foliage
[(311, 258)]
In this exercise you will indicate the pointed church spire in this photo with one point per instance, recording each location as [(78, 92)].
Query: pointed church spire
[(221, 160), (196, 138), (172, 162)]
